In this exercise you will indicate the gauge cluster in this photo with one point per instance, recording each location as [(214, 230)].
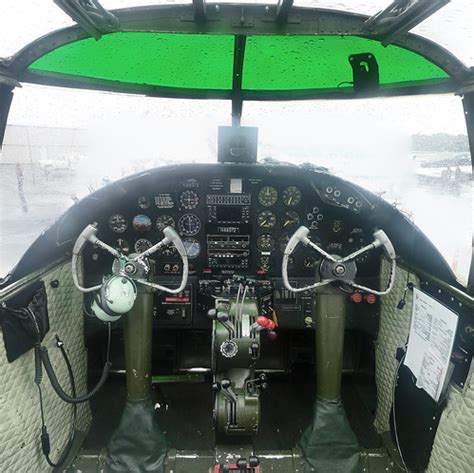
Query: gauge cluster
[(240, 221)]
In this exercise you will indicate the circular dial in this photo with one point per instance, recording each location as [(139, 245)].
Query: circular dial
[(164, 221), (267, 196), (122, 245), (142, 223), (142, 245), (189, 200), (291, 196), (143, 202), (189, 225), (266, 219), (192, 246), (117, 223), (265, 242), (290, 218)]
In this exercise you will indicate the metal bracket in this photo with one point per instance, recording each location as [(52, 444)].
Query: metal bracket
[(282, 10), (199, 10), (90, 15), (8, 80), (400, 17), (365, 72)]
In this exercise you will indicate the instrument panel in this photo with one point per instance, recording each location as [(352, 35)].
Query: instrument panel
[(239, 220)]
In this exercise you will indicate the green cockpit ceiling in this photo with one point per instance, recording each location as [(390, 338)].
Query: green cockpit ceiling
[(199, 63)]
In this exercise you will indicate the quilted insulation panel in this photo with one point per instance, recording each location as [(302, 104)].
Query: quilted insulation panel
[(393, 333), (20, 422), (453, 448)]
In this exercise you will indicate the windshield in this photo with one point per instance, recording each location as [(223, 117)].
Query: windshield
[(63, 144)]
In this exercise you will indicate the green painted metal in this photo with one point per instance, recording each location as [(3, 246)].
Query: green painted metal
[(205, 62), (178, 378), (329, 311), (137, 328)]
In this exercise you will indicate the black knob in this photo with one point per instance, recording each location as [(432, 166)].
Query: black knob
[(241, 463), (263, 386), (216, 387), (225, 383), (212, 314), (262, 377), (254, 461)]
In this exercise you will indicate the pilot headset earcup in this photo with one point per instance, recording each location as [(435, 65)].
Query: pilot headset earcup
[(101, 309)]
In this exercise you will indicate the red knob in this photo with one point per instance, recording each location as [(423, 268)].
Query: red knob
[(356, 297), (263, 321), (370, 298), (270, 324)]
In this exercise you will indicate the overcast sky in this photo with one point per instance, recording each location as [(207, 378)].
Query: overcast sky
[(21, 21)]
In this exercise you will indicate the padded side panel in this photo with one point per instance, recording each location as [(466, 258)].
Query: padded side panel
[(453, 447), (20, 422), (393, 333)]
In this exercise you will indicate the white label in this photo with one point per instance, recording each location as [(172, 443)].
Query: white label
[(432, 332), (236, 186), (245, 325)]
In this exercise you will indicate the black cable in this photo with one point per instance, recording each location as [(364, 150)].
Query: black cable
[(57, 386), (45, 443)]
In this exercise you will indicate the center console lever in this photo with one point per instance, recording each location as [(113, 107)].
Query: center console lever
[(227, 390)]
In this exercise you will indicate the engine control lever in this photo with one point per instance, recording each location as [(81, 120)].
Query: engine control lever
[(223, 318), (227, 390)]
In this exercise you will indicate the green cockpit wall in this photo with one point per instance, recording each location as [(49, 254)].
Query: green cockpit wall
[(238, 52)]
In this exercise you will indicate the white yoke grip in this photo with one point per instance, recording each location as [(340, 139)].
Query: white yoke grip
[(301, 235), (88, 234), (171, 236), (381, 239)]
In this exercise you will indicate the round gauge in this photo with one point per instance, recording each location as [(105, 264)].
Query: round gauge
[(311, 262), (122, 245), (267, 196), (266, 219), (193, 247), (291, 196), (143, 202), (117, 223), (189, 200), (164, 221), (290, 218), (265, 242), (282, 242), (142, 245), (142, 223), (189, 225)]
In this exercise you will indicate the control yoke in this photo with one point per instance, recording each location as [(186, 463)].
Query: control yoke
[(338, 268), (127, 271)]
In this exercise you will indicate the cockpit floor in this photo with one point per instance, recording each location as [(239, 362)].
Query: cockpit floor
[(185, 412)]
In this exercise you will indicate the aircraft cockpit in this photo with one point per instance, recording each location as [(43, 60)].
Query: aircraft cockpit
[(245, 314)]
